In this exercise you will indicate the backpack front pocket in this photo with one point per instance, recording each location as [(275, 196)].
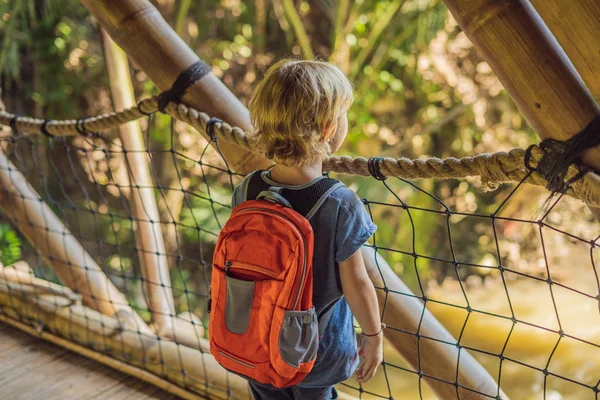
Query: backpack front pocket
[(240, 322), (238, 304), (299, 337)]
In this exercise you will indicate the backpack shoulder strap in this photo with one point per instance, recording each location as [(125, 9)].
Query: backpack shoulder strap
[(305, 201), (255, 185)]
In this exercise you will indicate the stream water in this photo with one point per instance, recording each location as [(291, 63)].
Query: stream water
[(575, 357)]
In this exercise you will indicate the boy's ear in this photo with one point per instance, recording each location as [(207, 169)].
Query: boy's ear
[(328, 131)]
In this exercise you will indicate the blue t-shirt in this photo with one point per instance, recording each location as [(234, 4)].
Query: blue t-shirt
[(341, 226)]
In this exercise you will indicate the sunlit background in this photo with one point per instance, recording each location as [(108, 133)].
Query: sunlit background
[(422, 90)]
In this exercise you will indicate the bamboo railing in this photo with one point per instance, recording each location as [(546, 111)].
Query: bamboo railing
[(113, 341), (184, 328), (425, 340), (144, 35), (148, 236), (22, 205)]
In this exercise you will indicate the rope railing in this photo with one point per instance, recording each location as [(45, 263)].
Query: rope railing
[(69, 190), (493, 168)]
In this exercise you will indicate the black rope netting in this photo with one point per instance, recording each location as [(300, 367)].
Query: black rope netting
[(515, 284)]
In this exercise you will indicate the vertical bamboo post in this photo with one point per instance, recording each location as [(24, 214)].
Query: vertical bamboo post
[(534, 69), (21, 204), (148, 40), (576, 26), (139, 29), (148, 236)]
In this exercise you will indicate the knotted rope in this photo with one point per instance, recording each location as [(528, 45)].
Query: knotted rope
[(493, 168)]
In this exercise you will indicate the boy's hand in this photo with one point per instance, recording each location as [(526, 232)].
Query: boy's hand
[(371, 348)]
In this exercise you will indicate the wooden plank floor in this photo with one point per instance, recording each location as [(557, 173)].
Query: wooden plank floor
[(32, 369)]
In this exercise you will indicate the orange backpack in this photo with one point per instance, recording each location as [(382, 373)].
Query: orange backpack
[(263, 325)]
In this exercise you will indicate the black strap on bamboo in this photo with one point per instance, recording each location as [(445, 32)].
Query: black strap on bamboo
[(210, 128), (559, 156), (147, 114), (374, 165), (13, 125), (44, 130), (80, 127), (187, 78)]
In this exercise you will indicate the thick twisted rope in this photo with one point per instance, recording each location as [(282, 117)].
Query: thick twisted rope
[(493, 168)]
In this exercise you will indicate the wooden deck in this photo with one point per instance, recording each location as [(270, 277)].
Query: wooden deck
[(31, 369)]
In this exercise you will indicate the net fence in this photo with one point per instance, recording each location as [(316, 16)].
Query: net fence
[(513, 279)]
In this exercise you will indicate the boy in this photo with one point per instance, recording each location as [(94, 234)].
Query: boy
[(299, 112)]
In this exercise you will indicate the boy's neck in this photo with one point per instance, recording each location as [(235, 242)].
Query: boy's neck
[(297, 175)]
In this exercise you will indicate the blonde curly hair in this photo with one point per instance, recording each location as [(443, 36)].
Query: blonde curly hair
[(295, 110)]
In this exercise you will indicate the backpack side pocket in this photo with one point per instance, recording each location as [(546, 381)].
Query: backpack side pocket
[(299, 337)]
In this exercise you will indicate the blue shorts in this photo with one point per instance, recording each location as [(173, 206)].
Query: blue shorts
[(268, 392)]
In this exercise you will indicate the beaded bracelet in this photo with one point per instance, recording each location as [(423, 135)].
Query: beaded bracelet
[(383, 326)]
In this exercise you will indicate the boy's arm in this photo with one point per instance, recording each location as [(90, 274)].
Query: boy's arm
[(362, 299)]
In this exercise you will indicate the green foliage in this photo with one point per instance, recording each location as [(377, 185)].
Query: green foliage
[(420, 90), (49, 54), (10, 245), (207, 217)]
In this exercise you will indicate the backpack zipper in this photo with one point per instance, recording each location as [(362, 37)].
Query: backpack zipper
[(298, 231), (249, 267), (236, 360)]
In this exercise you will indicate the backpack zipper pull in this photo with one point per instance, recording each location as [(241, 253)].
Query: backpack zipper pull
[(227, 266)]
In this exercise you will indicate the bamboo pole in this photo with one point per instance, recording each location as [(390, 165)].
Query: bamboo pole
[(184, 329), (57, 246), (163, 359), (148, 236), (534, 69), (139, 29), (144, 35), (576, 26), (22, 275)]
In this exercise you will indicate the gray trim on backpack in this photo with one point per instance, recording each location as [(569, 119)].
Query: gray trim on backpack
[(266, 175), (298, 338), (238, 304), (240, 197), (321, 200), (274, 197)]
